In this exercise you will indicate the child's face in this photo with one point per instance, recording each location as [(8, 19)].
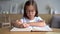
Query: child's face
[(30, 11)]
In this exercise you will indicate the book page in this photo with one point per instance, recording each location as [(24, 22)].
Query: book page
[(45, 28), (33, 28), (21, 29)]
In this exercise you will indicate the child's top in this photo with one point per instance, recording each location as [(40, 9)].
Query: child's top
[(26, 20)]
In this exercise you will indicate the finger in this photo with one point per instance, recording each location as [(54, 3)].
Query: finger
[(24, 25)]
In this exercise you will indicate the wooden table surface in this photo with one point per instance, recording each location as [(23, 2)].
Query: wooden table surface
[(7, 31)]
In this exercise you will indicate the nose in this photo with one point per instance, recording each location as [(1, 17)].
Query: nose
[(30, 12)]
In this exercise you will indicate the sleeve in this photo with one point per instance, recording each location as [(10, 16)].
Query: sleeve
[(22, 19), (39, 19)]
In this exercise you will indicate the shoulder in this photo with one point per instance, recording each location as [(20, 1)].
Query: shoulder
[(38, 18), (23, 19)]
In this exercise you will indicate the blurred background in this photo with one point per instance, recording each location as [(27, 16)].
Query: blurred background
[(11, 10), (16, 6)]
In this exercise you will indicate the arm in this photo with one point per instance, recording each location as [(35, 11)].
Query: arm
[(42, 23), (18, 23)]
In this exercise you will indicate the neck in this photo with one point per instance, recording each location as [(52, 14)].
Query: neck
[(31, 18)]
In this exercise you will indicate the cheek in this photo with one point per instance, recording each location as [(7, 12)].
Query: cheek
[(34, 13), (27, 14)]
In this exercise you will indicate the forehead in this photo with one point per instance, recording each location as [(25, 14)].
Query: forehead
[(30, 7)]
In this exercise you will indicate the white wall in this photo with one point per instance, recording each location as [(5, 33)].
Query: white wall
[(6, 5), (43, 3)]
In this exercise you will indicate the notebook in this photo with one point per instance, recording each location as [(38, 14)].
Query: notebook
[(32, 28)]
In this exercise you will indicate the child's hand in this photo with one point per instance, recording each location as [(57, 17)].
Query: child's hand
[(43, 23), (25, 25), (18, 21)]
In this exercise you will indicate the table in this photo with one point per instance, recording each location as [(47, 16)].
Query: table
[(7, 31)]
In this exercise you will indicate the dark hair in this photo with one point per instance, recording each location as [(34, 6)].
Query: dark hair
[(30, 3)]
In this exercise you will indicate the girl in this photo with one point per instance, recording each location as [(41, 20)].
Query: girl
[(30, 17)]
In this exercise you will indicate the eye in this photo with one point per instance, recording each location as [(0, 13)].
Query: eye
[(33, 10)]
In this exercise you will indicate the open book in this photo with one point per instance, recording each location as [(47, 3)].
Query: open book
[(32, 28)]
